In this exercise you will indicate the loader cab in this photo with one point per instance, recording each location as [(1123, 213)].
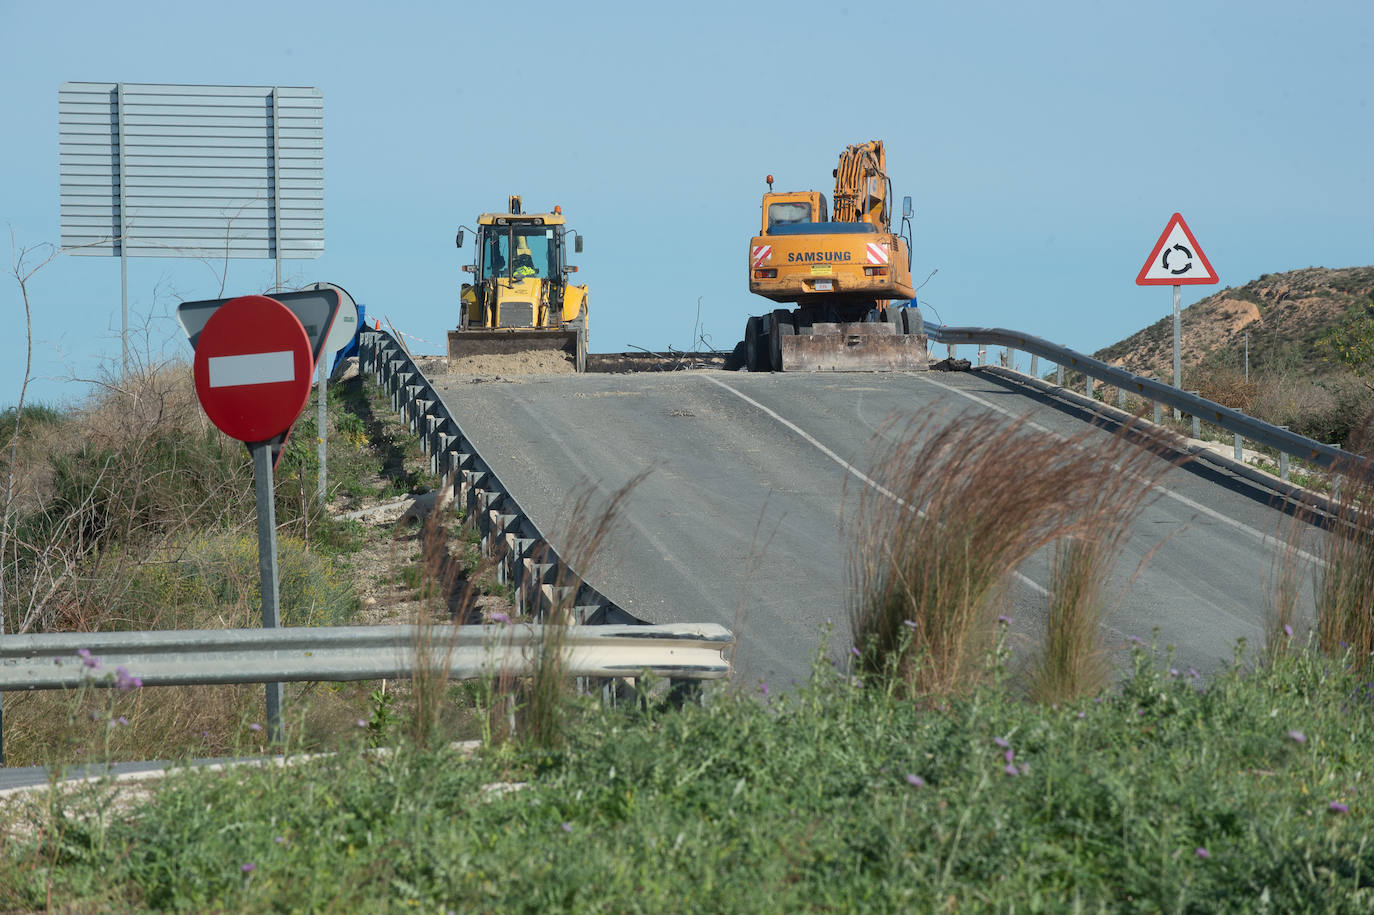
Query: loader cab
[(792, 208), (516, 252)]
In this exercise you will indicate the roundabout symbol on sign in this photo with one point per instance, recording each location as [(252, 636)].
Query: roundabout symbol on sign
[(1187, 263)]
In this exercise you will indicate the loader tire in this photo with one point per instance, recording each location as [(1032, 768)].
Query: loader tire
[(779, 325), (753, 352)]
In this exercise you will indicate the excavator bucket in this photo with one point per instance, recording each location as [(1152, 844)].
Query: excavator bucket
[(517, 352), (855, 347)]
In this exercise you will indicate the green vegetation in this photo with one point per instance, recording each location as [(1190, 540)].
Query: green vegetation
[(1243, 794)]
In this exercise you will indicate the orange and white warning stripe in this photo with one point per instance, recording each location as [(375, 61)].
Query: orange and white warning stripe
[(760, 254), (877, 254)]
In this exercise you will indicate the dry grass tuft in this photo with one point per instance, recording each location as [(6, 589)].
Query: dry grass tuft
[(1345, 571), (958, 506)]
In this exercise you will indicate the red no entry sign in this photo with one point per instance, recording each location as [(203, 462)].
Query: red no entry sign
[(253, 367)]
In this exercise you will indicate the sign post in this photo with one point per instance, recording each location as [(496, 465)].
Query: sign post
[(1177, 260), (252, 372), (341, 333)]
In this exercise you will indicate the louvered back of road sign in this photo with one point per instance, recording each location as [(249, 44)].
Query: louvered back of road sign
[(192, 171)]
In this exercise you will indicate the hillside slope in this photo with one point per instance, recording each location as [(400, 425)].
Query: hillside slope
[(1283, 313), (1291, 378)]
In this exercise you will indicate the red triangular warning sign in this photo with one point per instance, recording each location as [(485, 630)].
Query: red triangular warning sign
[(1177, 260)]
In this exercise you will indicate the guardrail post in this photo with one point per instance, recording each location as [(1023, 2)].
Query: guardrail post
[(982, 354), (1035, 366), (1283, 466), (1121, 397), (1240, 452), (1059, 375), (1159, 414), (1089, 386)]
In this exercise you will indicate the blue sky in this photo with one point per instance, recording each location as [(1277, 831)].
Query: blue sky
[(1045, 147)]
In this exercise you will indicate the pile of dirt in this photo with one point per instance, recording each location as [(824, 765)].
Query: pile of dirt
[(529, 362)]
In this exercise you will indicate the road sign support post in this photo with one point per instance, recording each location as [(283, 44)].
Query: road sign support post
[(322, 390), (268, 570), (1178, 344)]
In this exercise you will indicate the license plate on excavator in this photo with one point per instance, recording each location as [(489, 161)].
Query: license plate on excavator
[(824, 285)]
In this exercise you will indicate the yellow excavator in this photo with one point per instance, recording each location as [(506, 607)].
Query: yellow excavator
[(847, 274), (520, 300)]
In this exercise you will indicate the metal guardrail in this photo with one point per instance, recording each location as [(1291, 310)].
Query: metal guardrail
[(200, 657), (1199, 408), (526, 561)]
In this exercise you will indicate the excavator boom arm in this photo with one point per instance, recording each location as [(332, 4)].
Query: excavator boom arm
[(861, 185)]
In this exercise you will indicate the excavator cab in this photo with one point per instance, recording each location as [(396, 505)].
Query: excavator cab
[(789, 208)]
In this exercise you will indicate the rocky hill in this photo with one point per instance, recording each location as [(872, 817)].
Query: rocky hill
[(1283, 313), (1292, 379)]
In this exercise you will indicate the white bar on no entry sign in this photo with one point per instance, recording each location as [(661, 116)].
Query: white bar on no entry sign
[(252, 368)]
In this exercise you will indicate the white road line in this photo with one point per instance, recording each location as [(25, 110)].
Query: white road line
[(859, 474)]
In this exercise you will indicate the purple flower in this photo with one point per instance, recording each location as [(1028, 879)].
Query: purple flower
[(123, 720), (1288, 630), (87, 659), (1202, 853), (763, 688), (910, 624), (1001, 742), (1297, 736), (1338, 807), (1082, 714), (567, 827), (248, 868), (361, 722), (280, 840), (1173, 671), (255, 727), (1009, 755), (915, 781), (499, 617), (1011, 770), (1192, 672), (854, 651), (124, 682), (1135, 640), (1004, 620)]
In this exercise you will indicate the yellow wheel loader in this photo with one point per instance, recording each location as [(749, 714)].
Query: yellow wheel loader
[(520, 303), (847, 276)]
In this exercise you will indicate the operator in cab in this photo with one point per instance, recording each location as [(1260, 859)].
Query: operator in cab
[(524, 266)]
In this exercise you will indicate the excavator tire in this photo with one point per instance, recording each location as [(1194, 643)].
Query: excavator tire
[(753, 351), (780, 324), (912, 322)]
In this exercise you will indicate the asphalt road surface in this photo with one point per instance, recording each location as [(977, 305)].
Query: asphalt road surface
[(744, 517)]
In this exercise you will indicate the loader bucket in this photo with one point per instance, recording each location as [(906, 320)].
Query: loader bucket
[(855, 347), (520, 351)]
